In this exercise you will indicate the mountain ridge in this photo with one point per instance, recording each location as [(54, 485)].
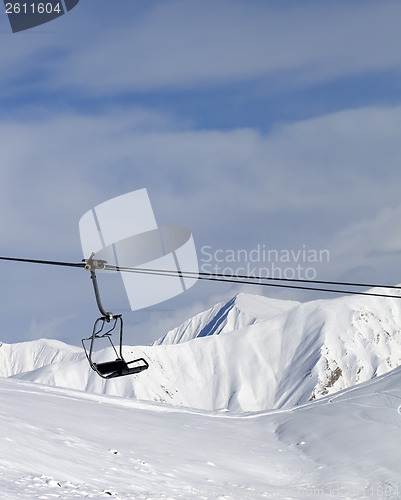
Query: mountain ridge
[(290, 354), (240, 311)]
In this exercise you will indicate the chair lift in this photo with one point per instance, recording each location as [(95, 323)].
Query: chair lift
[(118, 367)]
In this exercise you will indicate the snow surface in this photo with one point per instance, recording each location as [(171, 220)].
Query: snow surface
[(60, 443), (256, 354), (279, 367)]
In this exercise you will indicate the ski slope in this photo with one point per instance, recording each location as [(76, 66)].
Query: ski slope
[(61, 443), (249, 354), (254, 398)]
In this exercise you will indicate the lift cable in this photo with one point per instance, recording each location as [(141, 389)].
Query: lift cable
[(195, 275), (228, 278), (251, 280), (49, 262)]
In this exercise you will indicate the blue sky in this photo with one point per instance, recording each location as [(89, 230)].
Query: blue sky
[(250, 122)]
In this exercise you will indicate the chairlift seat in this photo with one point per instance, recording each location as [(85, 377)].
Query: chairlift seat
[(119, 367)]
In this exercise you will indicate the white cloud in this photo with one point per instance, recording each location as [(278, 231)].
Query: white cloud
[(372, 245), (106, 49), (183, 44), (340, 165), (304, 183), (332, 181)]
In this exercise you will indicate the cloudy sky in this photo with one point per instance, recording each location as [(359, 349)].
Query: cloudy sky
[(258, 124)]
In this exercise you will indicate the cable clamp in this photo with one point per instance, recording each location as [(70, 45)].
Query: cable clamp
[(92, 264)]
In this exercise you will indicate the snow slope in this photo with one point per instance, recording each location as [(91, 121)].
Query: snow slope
[(258, 354), (59, 443)]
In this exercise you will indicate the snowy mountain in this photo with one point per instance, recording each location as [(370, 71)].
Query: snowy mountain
[(60, 443), (28, 356), (241, 311), (249, 354)]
